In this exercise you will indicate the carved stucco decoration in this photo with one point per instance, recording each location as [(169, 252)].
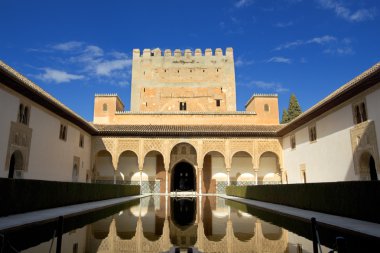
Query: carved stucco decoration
[(364, 143)]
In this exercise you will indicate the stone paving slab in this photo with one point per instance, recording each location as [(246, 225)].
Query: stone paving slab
[(363, 227), (24, 219)]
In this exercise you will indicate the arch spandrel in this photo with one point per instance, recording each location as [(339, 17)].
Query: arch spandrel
[(262, 147), (236, 146), (176, 155), (213, 145)]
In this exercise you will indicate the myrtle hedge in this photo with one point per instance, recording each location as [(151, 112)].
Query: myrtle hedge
[(354, 199), (21, 195)]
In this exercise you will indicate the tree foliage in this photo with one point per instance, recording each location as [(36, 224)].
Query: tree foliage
[(294, 109), (285, 116)]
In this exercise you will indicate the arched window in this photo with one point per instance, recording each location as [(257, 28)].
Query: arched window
[(105, 107), (266, 107)]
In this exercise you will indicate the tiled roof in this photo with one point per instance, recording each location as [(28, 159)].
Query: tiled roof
[(240, 113), (189, 130)]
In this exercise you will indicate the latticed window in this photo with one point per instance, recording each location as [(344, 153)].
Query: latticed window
[(312, 133)]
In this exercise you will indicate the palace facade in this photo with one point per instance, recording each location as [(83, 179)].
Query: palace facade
[(183, 132)]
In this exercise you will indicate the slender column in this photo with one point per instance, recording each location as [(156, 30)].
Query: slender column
[(200, 172), (283, 176), (228, 177), (166, 181), (114, 177), (255, 171)]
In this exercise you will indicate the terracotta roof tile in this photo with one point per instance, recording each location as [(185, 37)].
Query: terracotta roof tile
[(189, 130)]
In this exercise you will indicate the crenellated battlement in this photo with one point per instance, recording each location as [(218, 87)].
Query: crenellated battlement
[(147, 53)]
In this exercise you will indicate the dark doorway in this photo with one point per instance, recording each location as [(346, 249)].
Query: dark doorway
[(183, 178), (12, 164), (372, 169), (15, 163)]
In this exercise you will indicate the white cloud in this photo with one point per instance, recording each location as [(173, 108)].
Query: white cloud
[(243, 3), (91, 61), (107, 67), (269, 86), (279, 59), (321, 40), (68, 46), (316, 40), (344, 12), (347, 50), (58, 76), (241, 61), (290, 45)]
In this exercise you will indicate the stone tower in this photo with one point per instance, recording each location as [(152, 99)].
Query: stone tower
[(183, 81)]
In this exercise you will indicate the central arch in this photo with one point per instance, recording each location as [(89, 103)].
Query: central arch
[(183, 177)]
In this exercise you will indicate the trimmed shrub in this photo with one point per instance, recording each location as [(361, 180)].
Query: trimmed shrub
[(21, 195), (354, 199)]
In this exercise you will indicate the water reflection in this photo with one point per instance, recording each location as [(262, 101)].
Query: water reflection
[(160, 223)]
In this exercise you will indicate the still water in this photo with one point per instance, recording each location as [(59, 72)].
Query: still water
[(162, 224)]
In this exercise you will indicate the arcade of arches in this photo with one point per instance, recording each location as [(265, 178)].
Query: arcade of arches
[(199, 165)]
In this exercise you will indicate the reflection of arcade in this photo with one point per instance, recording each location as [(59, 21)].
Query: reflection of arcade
[(209, 225)]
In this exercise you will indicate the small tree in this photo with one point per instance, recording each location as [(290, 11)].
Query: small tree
[(285, 117), (294, 109)]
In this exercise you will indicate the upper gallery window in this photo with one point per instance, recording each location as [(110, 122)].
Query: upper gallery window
[(23, 114), (293, 141), (312, 133), (63, 132), (360, 112), (81, 140)]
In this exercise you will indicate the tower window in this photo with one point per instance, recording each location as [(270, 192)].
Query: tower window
[(182, 106), (266, 107), (105, 107), (218, 103)]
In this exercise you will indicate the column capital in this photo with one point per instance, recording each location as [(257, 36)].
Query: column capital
[(228, 169)]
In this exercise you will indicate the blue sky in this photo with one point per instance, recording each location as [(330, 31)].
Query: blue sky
[(74, 49)]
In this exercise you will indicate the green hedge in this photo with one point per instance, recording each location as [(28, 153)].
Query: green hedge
[(20, 195), (356, 199)]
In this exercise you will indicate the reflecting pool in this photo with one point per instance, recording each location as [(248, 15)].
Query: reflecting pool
[(167, 224)]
